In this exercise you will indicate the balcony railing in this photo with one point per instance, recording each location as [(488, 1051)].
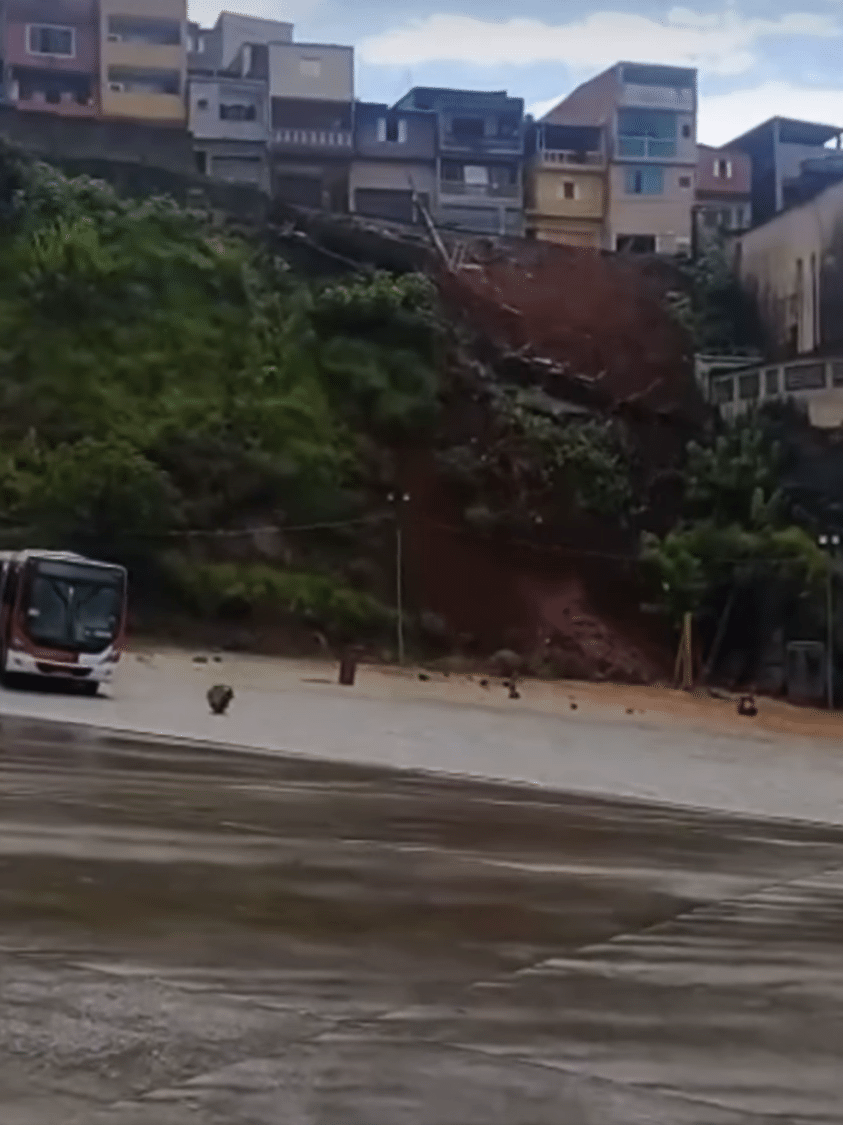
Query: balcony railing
[(647, 147), (658, 97), (570, 156), (496, 191), (513, 144), (337, 139)]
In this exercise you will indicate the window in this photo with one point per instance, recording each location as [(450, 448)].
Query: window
[(684, 181), (635, 243), (567, 190), (722, 390), (392, 130), (468, 128), (238, 112), (644, 180), (310, 68), (804, 377), (686, 130), (45, 40), (723, 169), (646, 132), (837, 374), (771, 381), (748, 386), (476, 175), (202, 103), (201, 159)]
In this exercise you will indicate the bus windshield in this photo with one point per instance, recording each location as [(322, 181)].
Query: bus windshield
[(70, 605)]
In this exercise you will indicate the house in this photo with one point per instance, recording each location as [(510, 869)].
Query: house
[(793, 267), (565, 184), (394, 159), (479, 157), (143, 60), (777, 150), (648, 115), (52, 56), (723, 192), (311, 92)]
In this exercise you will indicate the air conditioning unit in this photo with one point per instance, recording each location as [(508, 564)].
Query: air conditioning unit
[(117, 87)]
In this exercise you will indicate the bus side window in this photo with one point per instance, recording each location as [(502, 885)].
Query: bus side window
[(10, 585)]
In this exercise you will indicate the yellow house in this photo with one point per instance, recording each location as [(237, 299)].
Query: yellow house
[(143, 60), (566, 185)]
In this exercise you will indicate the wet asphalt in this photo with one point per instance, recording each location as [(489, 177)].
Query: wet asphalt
[(190, 935)]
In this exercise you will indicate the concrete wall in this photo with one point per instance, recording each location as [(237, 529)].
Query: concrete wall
[(793, 266), (592, 103), (235, 30), (392, 175), (208, 94), (127, 141), (311, 71), (546, 192), (86, 43), (667, 216), (420, 140)]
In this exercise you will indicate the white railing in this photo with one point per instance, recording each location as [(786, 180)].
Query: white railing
[(570, 156), (313, 138)]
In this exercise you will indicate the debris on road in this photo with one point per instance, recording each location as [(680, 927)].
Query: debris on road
[(219, 698)]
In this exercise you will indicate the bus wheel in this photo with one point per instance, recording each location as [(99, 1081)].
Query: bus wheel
[(90, 688)]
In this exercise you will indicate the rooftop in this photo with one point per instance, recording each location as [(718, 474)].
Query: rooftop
[(791, 131)]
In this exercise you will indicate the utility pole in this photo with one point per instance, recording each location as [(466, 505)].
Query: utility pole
[(829, 543), (398, 500)]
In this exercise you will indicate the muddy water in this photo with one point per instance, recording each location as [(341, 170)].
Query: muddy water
[(187, 935)]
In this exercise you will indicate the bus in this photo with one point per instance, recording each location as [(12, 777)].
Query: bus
[(61, 615)]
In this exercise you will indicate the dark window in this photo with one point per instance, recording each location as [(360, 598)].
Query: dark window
[(569, 190), (507, 125), (722, 390), (238, 112), (685, 181), (749, 386), (451, 170), (771, 381), (51, 41), (804, 377), (53, 97), (468, 128), (635, 243), (201, 159), (686, 130), (646, 180), (837, 374), (202, 103), (392, 129)]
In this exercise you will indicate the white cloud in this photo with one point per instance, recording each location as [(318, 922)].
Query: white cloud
[(724, 116), (719, 44)]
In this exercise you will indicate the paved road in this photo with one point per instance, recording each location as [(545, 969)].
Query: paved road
[(192, 936)]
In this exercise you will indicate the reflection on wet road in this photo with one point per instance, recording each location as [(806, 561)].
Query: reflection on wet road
[(194, 936)]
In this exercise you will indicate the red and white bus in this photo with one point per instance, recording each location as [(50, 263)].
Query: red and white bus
[(61, 615)]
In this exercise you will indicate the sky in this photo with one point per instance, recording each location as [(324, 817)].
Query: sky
[(756, 58)]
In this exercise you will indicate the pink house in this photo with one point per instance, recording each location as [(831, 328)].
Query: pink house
[(52, 56)]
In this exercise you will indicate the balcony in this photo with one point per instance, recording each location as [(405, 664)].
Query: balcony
[(555, 158), (143, 56), (646, 148), (489, 146), (479, 191), (338, 141), (657, 97)]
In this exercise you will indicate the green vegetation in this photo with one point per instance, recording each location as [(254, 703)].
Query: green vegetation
[(158, 374), (736, 535)]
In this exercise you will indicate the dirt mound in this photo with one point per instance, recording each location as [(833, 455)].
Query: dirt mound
[(602, 317)]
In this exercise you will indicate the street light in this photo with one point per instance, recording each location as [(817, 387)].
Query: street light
[(829, 543)]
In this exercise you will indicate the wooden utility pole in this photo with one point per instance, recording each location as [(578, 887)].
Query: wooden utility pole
[(683, 671)]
